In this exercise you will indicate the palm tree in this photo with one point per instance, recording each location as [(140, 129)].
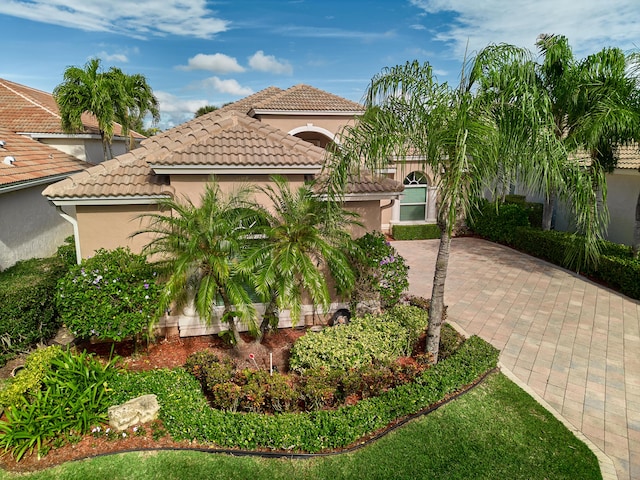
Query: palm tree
[(139, 101), (204, 110), (200, 248), (467, 137), (110, 97), (305, 239), (87, 90)]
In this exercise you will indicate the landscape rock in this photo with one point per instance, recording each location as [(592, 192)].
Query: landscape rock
[(134, 412)]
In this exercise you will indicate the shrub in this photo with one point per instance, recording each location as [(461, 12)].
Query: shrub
[(381, 271), (371, 338), (498, 222), (187, 416), (73, 397), (28, 315), (29, 380), (415, 232), (113, 295)]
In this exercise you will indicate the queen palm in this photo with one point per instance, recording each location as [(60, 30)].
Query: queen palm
[(305, 239), (467, 138), (200, 248)]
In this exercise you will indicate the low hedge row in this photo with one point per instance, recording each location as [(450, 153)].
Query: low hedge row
[(28, 315), (370, 339), (187, 416), (415, 232)]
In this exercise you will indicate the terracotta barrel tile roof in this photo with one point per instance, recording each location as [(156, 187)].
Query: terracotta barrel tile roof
[(27, 110), (363, 183), (33, 160), (233, 139), (306, 98)]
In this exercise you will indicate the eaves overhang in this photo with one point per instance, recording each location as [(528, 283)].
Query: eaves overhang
[(11, 187), (106, 200), (234, 170)]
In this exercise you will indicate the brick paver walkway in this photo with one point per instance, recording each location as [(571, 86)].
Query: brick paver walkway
[(574, 343)]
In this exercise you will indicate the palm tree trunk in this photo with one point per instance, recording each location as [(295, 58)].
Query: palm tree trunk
[(229, 317), (636, 231), (267, 320), (436, 308), (547, 211)]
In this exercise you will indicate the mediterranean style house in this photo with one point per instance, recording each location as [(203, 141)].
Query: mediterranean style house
[(274, 131), (34, 153)]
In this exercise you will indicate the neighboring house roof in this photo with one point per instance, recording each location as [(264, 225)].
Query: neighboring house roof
[(34, 162), (27, 110)]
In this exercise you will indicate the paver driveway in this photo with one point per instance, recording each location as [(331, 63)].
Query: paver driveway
[(574, 343)]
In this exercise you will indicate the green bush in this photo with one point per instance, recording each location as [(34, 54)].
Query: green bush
[(187, 416), (616, 265), (28, 315), (73, 397), (415, 232), (29, 380), (369, 339), (498, 222), (381, 270), (112, 295)]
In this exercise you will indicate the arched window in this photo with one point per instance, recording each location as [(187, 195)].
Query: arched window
[(413, 206)]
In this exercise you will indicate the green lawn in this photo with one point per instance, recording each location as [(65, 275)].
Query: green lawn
[(494, 432)]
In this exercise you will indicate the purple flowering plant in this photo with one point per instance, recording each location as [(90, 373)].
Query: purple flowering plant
[(382, 269), (112, 295)]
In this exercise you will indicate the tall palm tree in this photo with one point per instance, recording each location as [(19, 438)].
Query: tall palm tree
[(138, 102), (111, 96), (87, 90), (305, 239), (467, 137), (200, 248)]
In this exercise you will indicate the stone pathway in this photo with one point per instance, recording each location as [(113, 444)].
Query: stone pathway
[(574, 345)]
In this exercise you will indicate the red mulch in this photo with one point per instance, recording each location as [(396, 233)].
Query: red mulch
[(166, 353)]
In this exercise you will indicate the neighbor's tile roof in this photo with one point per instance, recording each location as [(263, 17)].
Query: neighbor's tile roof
[(309, 99), (33, 160), (27, 110), (228, 139)]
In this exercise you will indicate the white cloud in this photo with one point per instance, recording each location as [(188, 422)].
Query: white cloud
[(113, 57), (189, 18), (217, 63), (230, 86), (589, 25), (175, 110), (268, 63)]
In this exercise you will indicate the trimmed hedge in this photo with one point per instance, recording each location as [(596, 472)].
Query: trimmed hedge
[(498, 222), (616, 266), (415, 232), (372, 338), (28, 315), (187, 416)]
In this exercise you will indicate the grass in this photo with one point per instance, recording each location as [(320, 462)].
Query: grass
[(495, 431)]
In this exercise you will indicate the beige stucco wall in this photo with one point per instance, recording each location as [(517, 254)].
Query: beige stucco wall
[(193, 186), (110, 226), (30, 226), (87, 149), (623, 187)]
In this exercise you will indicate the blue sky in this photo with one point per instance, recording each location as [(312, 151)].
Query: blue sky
[(198, 52)]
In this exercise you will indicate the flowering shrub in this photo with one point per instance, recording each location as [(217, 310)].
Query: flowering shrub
[(382, 270), (112, 295)]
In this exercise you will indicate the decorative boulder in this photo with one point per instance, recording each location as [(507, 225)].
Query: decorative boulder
[(134, 412)]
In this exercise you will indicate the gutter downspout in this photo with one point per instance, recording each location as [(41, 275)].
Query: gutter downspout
[(76, 231)]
